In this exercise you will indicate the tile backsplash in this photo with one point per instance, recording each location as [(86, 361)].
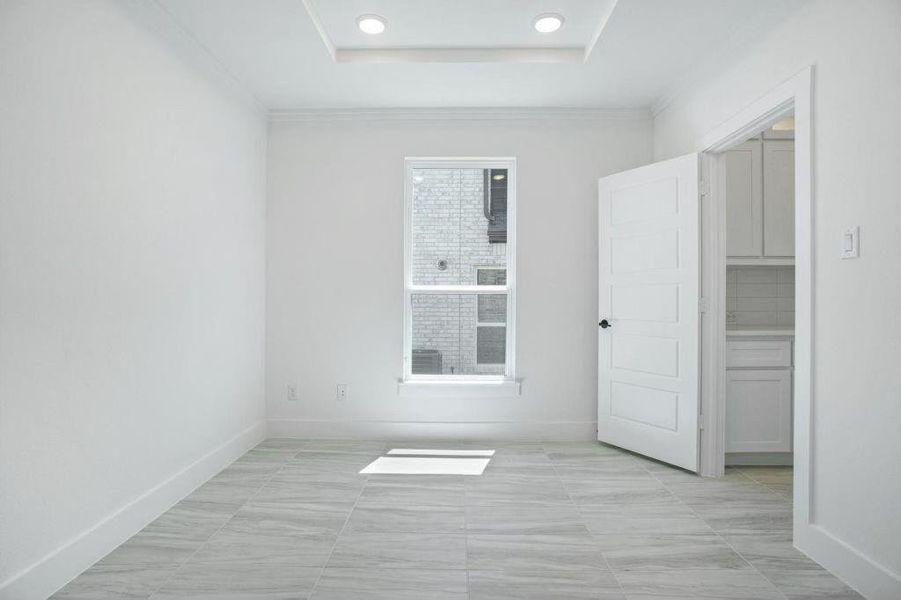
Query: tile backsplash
[(760, 296)]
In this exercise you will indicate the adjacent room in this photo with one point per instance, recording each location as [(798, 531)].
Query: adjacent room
[(451, 300)]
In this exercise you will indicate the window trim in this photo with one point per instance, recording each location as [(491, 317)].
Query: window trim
[(411, 163)]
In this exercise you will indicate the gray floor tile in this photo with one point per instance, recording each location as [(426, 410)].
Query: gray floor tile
[(662, 518), (768, 548), (168, 541), (259, 535), (400, 551), (296, 519), (526, 518), (694, 584), (809, 584), (250, 580), (660, 552), (406, 519), (585, 584), (533, 553), (390, 584), (311, 490), (115, 582), (217, 498), (516, 489), (407, 490), (737, 518), (608, 492)]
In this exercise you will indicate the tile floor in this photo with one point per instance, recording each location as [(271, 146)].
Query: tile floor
[(293, 519)]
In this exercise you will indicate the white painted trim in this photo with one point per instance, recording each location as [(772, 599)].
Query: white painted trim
[(56, 569), (528, 54), (602, 25), (468, 387), (434, 430), (320, 28), (861, 572), (712, 379), (757, 262), (535, 55), (794, 96), (321, 115), (872, 579), (746, 459), (165, 24)]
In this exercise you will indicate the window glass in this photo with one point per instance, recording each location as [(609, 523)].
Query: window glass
[(448, 339)]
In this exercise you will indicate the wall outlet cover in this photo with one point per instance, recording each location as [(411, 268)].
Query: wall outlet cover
[(293, 396), (341, 392)]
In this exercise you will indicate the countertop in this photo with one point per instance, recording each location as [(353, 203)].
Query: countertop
[(759, 331)]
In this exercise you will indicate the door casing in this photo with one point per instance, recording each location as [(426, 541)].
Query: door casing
[(794, 96)]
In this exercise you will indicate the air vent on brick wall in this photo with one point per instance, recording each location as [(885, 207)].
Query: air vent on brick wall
[(426, 362)]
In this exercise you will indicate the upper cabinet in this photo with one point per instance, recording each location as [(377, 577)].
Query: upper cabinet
[(743, 191), (759, 191), (778, 198)]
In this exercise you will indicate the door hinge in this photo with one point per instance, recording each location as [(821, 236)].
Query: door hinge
[(703, 305)]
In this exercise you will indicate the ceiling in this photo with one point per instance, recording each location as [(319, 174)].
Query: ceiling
[(303, 54)]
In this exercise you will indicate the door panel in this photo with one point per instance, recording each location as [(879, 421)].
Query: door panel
[(648, 278)]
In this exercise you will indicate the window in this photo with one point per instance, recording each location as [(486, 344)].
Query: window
[(491, 318), (459, 269)]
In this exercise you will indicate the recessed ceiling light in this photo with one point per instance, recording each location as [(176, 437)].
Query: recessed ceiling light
[(548, 22), (499, 176), (371, 24)]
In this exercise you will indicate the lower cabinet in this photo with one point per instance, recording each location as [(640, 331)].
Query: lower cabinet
[(759, 407)]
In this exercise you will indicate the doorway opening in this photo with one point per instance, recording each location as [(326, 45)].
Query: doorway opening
[(756, 279)]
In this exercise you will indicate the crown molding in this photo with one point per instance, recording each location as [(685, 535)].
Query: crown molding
[(195, 53), (475, 54), (458, 114)]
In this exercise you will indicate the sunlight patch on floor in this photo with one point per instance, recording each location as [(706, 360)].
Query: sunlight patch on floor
[(415, 461), (429, 452)]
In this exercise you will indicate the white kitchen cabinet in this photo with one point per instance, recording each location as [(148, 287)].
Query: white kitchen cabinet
[(778, 198), (758, 410), (743, 191), (758, 395), (758, 190)]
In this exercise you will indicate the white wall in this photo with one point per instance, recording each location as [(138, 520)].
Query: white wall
[(335, 282), (132, 266), (856, 50)]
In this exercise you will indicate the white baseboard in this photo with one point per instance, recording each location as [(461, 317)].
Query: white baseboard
[(873, 580), (763, 459), (55, 570), (424, 430)]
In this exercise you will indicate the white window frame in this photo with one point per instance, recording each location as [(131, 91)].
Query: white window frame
[(478, 323), (410, 164)]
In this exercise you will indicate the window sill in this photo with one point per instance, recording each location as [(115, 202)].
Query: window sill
[(472, 388)]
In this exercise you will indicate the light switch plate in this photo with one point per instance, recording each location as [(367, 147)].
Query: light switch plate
[(851, 243)]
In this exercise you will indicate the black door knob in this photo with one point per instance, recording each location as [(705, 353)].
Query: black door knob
[(604, 324)]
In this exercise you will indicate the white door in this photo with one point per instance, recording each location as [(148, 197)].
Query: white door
[(648, 301)]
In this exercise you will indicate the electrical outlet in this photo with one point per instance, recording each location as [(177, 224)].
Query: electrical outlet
[(341, 392), (292, 393)]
